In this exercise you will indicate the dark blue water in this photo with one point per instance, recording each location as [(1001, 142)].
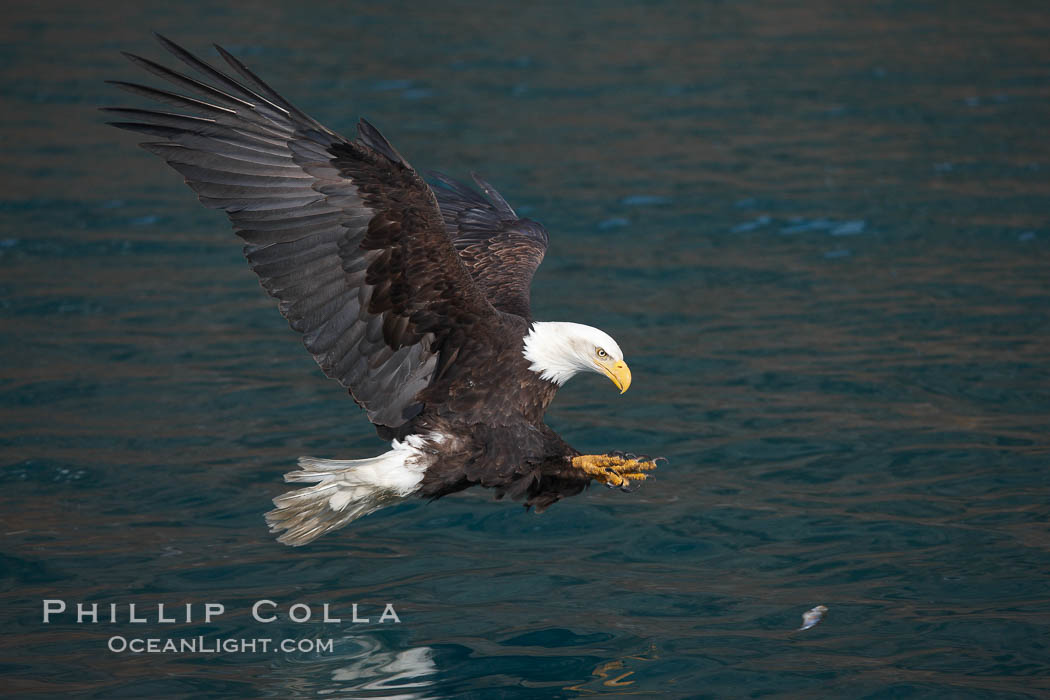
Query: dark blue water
[(819, 231)]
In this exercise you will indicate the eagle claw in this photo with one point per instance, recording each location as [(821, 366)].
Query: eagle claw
[(616, 469)]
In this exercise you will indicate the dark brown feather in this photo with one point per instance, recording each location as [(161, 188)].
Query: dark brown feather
[(344, 233), (501, 250)]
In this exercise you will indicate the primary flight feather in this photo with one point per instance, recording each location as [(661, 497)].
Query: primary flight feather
[(414, 299)]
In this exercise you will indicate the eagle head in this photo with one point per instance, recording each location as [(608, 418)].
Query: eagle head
[(557, 351)]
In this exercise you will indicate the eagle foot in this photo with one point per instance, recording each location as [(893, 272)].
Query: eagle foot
[(614, 470)]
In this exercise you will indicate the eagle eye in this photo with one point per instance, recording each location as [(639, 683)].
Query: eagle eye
[(600, 352)]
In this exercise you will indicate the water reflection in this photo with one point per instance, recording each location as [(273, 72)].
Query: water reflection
[(369, 669), (544, 663)]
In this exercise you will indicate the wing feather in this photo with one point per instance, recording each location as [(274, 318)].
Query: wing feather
[(345, 234), (501, 250)]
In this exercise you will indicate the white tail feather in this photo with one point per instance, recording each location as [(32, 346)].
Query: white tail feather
[(345, 490)]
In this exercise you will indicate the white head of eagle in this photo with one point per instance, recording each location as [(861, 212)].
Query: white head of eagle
[(558, 350)]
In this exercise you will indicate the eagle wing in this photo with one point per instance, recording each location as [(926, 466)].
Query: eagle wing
[(500, 249), (345, 234)]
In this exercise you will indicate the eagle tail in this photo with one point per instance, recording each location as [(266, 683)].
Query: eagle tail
[(346, 489)]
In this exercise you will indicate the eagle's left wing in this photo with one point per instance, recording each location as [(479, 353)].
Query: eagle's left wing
[(500, 249), (344, 233)]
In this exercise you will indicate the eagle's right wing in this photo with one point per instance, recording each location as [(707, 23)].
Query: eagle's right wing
[(500, 249), (344, 233)]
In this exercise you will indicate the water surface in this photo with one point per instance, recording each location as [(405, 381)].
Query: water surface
[(819, 233)]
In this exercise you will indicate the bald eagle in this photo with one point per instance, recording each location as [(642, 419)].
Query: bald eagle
[(415, 299)]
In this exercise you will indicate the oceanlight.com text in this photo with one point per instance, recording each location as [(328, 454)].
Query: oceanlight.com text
[(217, 645)]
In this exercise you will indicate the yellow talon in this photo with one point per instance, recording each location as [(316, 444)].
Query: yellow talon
[(612, 469)]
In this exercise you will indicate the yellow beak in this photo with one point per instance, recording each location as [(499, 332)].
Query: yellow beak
[(620, 374)]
